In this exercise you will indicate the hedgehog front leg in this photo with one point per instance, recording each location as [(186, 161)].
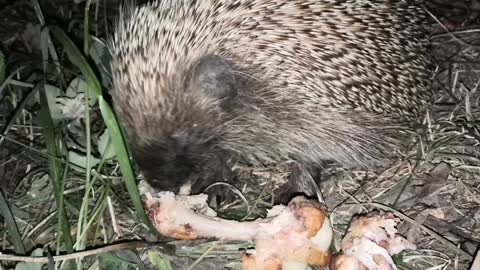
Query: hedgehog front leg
[(301, 181)]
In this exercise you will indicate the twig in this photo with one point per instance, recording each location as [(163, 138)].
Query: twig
[(199, 259), (448, 32), (105, 249)]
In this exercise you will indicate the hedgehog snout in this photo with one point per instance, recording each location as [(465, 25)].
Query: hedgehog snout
[(174, 163), (168, 175)]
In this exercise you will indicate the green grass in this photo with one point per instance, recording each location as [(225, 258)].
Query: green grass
[(60, 59)]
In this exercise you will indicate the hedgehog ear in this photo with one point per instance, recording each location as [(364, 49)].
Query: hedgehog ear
[(213, 76)]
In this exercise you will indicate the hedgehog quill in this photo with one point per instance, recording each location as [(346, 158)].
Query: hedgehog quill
[(200, 85)]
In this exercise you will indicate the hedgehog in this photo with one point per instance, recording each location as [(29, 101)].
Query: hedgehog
[(199, 86)]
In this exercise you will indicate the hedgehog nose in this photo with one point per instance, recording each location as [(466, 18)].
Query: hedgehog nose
[(185, 189)]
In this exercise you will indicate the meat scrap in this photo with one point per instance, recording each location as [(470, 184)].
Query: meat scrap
[(370, 242), (297, 234)]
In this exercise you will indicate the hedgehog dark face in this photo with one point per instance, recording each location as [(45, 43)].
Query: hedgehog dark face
[(186, 148), (176, 162)]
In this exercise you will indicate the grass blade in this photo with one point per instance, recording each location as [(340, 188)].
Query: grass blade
[(11, 225), (57, 173), (77, 58), (17, 113), (123, 160)]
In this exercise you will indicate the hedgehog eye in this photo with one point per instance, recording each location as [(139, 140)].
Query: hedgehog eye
[(213, 76)]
